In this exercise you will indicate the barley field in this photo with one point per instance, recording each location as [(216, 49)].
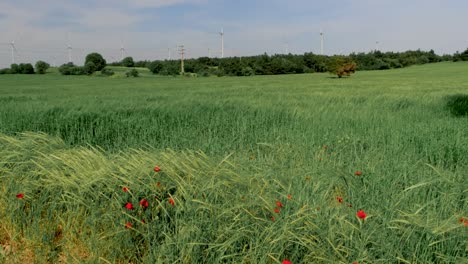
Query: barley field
[(307, 168)]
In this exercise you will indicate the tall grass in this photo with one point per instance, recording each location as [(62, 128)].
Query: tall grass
[(229, 149)]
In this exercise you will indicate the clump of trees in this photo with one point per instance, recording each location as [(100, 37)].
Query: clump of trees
[(461, 56), (22, 68), (93, 62)]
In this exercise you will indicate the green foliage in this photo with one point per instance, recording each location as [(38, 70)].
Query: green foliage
[(41, 67), (5, 71), (15, 69), (71, 69), (89, 68), (458, 104), (132, 73), (26, 68), (107, 72), (97, 59), (155, 67), (464, 55), (128, 62)]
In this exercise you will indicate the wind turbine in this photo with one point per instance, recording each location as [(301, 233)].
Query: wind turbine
[(222, 42), (69, 48), (122, 50), (13, 50), (321, 42)]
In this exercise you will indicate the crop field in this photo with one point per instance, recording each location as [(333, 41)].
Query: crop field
[(307, 168)]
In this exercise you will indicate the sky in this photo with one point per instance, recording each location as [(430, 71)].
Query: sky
[(152, 29)]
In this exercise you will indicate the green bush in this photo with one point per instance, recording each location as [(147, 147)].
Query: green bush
[(458, 104), (107, 72), (132, 73), (71, 69), (89, 68)]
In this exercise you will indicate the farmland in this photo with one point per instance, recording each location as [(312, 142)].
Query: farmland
[(252, 169)]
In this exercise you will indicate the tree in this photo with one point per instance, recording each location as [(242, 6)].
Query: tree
[(128, 62), (341, 66), (14, 68), (26, 68), (41, 67), (155, 67), (97, 59), (464, 55)]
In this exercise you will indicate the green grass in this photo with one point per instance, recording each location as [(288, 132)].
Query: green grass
[(229, 148)]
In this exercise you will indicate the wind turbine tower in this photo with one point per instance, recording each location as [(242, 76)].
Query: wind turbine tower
[(13, 50), (321, 42), (222, 42), (69, 48), (122, 50)]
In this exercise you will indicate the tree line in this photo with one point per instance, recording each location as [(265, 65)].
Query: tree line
[(252, 65), (293, 64)]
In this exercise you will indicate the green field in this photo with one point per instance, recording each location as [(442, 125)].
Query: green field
[(229, 148)]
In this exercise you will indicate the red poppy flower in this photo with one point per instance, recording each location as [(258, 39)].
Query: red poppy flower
[(129, 206), (171, 201), (358, 173), (465, 222), (339, 199), (289, 197), (277, 210), (157, 169), (20, 195), (461, 220), (279, 204), (128, 225), (125, 189), (273, 219), (144, 203), (355, 262), (361, 214), (286, 262)]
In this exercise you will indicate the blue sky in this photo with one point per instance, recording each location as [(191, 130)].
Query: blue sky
[(150, 29)]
